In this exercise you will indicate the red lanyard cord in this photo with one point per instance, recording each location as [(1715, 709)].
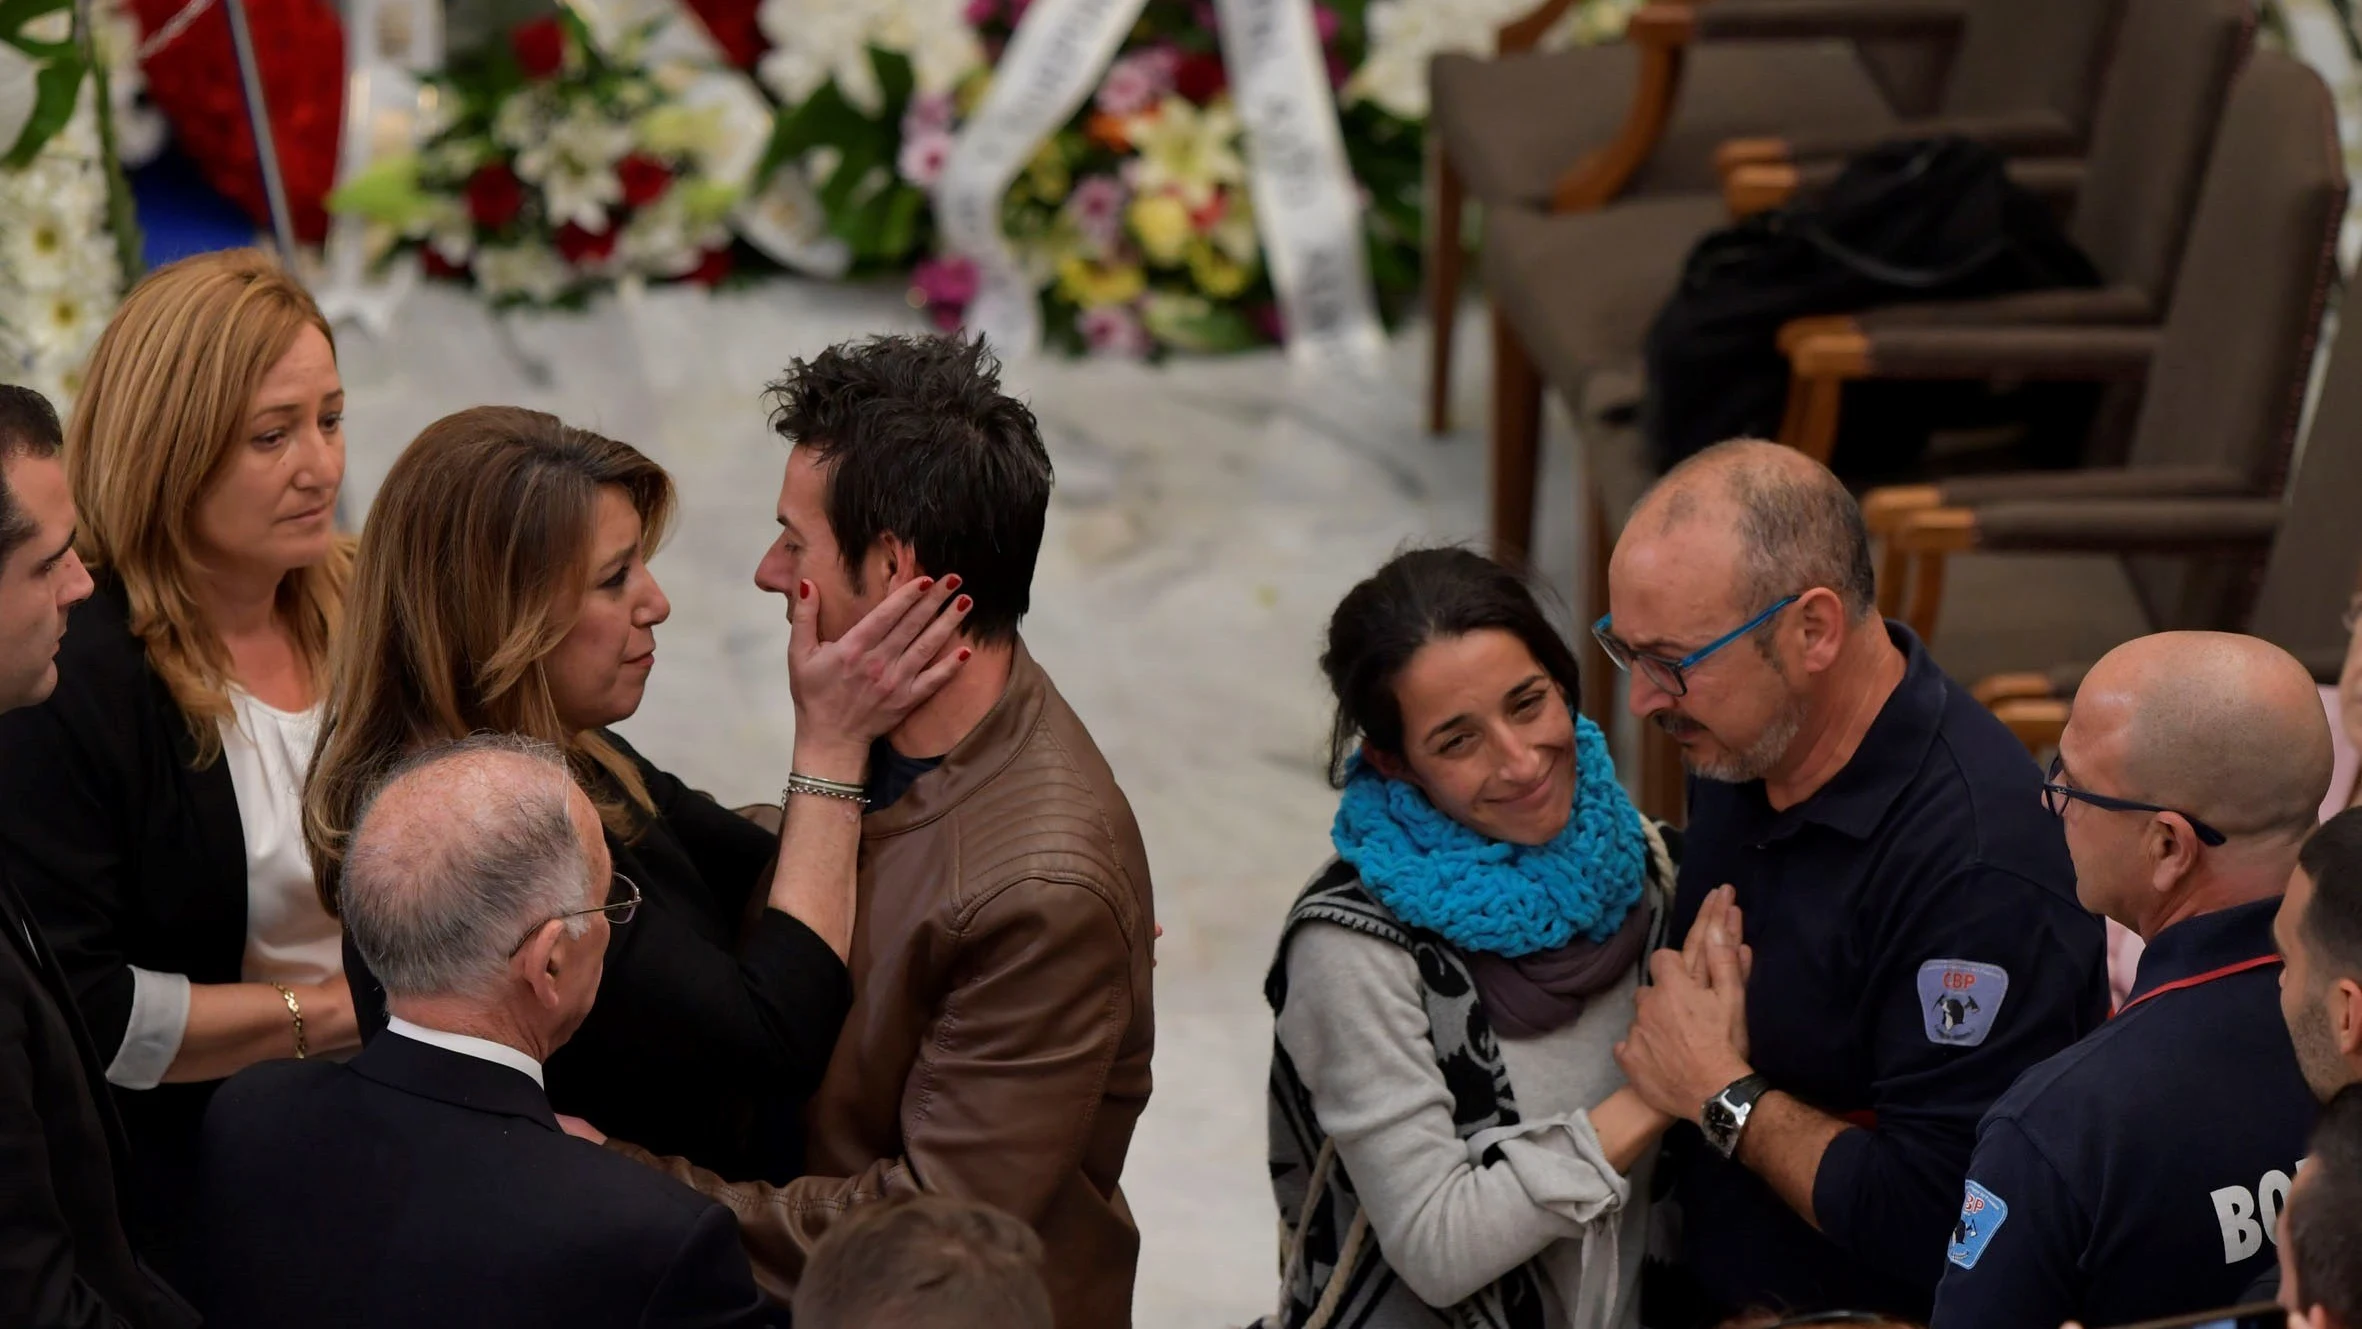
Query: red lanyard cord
[(2195, 979)]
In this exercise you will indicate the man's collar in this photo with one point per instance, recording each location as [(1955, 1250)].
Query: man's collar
[(1890, 754), (2208, 942), (461, 1079), (468, 1045), (982, 755)]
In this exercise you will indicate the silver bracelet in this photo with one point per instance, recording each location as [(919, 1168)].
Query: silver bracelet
[(819, 788)]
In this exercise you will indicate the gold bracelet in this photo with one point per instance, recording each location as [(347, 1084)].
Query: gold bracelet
[(295, 1013)]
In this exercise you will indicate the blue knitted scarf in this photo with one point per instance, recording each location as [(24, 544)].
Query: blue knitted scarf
[(1482, 894)]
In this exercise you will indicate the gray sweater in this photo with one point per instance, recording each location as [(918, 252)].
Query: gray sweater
[(1356, 1028)]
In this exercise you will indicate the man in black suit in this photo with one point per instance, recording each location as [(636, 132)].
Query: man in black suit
[(425, 1182), (64, 1260)]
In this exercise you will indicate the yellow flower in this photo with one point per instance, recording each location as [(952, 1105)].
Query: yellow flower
[(1091, 285), (1188, 151), (1163, 226), (1215, 274)]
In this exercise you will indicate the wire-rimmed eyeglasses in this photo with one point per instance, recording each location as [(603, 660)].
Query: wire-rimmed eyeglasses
[(617, 911), (2055, 796), (1672, 676)]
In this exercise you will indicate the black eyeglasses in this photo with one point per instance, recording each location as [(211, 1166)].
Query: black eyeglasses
[(2055, 796), (617, 911), (1672, 676)]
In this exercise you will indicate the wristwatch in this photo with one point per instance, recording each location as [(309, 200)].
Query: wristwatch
[(1725, 1114)]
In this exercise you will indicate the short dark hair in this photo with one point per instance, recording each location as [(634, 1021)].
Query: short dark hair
[(1418, 596), (28, 428), (2325, 1217), (2332, 857), (925, 446), (925, 1262)]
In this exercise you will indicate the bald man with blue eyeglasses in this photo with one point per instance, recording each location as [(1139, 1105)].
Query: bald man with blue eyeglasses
[(1908, 904)]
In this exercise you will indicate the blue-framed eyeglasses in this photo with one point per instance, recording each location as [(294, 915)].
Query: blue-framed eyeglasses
[(1672, 676), (2055, 796)]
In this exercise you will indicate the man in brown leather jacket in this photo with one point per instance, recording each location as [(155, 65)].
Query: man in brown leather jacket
[(999, 1040)]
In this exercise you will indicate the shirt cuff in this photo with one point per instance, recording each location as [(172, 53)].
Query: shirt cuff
[(159, 1016)]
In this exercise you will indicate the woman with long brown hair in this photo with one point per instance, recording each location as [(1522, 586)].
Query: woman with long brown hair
[(502, 585), (150, 811)]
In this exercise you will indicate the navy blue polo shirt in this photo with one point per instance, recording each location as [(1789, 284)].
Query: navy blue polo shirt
[(1917, 946), (2139, 1174)]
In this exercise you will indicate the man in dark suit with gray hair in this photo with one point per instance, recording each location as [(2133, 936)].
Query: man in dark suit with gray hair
[(426, 1181)]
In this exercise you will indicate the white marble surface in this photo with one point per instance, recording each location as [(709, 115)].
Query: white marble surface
[(1207, 517)]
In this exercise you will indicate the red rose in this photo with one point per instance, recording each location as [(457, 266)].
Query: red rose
[(540, 47), (494, 195), (713, 269), (734, 29), (644, 179), (1200, 77), (581, 247), (438, 266)]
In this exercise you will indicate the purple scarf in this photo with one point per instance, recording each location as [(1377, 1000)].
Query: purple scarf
[(1536, 994)]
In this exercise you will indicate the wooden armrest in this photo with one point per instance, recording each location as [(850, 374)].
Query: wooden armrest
[(1924, 539), (1524, 34), (2037, 721), (1884, 511), (1994, 689), (1752, 189), (1737, 152), (1834, 354), (1660, 34)]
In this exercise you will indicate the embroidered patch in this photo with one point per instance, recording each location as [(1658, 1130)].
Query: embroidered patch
[(1959, 999), (1981, 1215)]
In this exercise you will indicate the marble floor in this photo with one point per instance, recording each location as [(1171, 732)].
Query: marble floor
[(1207, 517)]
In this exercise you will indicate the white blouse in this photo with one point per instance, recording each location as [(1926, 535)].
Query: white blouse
[(289, 938)]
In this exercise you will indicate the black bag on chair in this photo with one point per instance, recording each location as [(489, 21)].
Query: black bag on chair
[(1911, 220)]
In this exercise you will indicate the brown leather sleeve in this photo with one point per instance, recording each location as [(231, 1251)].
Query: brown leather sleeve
[(1969, 491), (2166, 525), (1001, 1102), (1807, 20), (2075, 353)]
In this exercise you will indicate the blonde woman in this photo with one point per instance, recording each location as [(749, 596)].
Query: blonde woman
[(502, 585), (150, 811)]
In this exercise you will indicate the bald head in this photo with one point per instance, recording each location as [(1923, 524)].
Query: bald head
[(2227, 727), (463, 849), (1794, 524)]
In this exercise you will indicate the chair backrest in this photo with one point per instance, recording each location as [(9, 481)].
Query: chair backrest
[(2313, 563), (2227, 385), (2020, 55), (2158, 113)]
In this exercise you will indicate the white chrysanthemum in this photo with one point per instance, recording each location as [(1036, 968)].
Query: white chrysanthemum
[(61, 324), (581, 196), (532, 270), (1186, 151), (813, 41)]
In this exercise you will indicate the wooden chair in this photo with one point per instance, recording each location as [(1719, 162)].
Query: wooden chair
[(2309, 540), (2224, 378), (1644, 119)]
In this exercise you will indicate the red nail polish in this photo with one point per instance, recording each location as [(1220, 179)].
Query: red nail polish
[(952, 582), (963, 653), (926, 583), (803, 590), (962, 605)]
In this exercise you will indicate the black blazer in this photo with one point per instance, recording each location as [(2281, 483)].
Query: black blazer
[(65, 1260), (415, 1186), (127, 855), (708, 1035)]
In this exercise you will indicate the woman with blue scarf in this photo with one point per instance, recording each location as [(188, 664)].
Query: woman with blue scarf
[(1452, 1142)]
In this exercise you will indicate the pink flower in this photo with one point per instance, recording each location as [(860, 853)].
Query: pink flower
[(1114, 330), (1097, 207), (946, 282), (945, 318), (1136, 82), (928, 112), (980, 12), (1324, 22), (922, 157)]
